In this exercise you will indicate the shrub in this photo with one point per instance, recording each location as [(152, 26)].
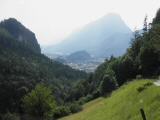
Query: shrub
[(75, 107), (148, 84), (89, 98), (141, 88), (86, 99), (61, 111), (82, 100), (96, 94)]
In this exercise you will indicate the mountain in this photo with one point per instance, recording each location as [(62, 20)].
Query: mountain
[(115, 45), (22, 66), (103, 37), (79, 56), (80, 60), (21, 33)]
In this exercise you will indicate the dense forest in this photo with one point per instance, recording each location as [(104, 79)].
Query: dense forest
[(22, 67), (32, 86)]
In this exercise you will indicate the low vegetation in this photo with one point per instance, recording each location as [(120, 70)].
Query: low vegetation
[(124, 104)]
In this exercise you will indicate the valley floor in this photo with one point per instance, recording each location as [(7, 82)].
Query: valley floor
[(124, 104)]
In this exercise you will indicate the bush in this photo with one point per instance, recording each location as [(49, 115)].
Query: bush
[(148, 84), (141, 88), (96, 94), (82, 100), (89, 97), (61, 111), (86, 99), (75, 107)]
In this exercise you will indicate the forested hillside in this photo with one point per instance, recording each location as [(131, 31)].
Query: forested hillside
[(21, 33), (22, 67)]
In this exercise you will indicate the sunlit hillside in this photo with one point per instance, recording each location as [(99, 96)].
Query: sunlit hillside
[(124, 104)]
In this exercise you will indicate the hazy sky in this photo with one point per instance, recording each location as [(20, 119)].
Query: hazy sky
[(52, 20)]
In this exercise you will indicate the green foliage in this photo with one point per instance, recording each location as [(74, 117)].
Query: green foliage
[(21, 69), (40, 102), (108, 84), (87, 98), (143, 87), (123, 104), (148, 57), (61, 111), (75, 107), (67, 109), (149, 61)]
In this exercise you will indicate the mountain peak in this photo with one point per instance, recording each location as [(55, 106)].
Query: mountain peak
[(11, 20), (114, 20), (112, 15), (79, 56), (20, 33), (98, 37)]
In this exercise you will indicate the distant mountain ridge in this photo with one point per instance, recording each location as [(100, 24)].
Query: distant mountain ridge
[(80, 60), (96, 38), (79, 56)]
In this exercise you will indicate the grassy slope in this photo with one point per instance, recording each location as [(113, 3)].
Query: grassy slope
[(124, 104)]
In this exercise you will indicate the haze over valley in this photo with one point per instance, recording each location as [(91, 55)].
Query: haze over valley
[(79, 60), (102, 38)]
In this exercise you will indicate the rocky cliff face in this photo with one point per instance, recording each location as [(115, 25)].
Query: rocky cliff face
[(21, 33)]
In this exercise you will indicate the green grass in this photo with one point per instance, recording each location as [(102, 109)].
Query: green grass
[(124, 104)]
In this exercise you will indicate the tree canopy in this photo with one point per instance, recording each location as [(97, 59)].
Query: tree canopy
[(40, 102)]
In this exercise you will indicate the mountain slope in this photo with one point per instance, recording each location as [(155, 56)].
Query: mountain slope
[(94, 37), (22, 67), (124, 104), (78, 57), (21, 33), (9, 45)]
